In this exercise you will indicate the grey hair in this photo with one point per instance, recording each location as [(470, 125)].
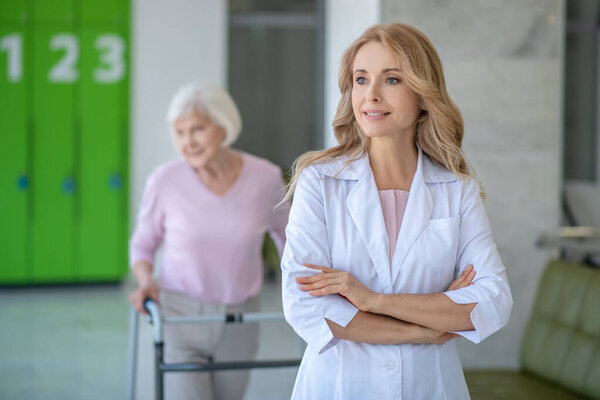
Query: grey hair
[(211, 100)]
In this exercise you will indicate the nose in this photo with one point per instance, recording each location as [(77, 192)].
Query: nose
[(373, 93), (188, 139)]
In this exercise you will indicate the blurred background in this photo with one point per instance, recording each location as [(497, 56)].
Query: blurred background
[(84, 89)]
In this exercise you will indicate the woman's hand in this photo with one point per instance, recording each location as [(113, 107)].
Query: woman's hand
[(147, 291), (431, 336), (331, 281), (463, 280)]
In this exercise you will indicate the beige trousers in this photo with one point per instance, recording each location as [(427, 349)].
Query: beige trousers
[(200, 342)]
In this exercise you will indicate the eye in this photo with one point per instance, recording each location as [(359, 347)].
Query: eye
[(179, 133), (361, 80), (392, 80)]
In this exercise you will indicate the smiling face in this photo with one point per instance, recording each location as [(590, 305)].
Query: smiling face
[(198, 139), (383, 103)]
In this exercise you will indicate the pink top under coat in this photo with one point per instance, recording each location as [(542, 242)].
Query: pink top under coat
[(212, 245), (393, 205)]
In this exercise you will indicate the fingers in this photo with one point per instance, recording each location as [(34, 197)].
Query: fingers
[(309, 279), (136, 300), (319, 268), (138, 297), (319, 284), (331, 289), (469, 273), (464, 279), (466, 273), (316, 278)]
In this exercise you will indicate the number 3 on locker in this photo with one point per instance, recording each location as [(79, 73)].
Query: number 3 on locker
[(111, 49)]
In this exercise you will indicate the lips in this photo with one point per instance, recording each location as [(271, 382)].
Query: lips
[(196, 153), (376, 113), (373, 115)]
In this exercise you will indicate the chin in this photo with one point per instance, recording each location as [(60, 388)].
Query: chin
[(372, 133), (196, 164)]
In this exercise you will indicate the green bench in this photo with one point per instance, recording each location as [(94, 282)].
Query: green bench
[(560, 352)]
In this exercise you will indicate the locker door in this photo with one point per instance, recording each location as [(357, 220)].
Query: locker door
[(14, 179), (107, 12), (102, 158), (55, 73), (14, 11), (53, 11)]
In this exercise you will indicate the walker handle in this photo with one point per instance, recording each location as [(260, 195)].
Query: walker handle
[(149, 304), (154, 317)]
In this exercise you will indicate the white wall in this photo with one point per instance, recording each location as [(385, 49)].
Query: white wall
[(173, 43), (503, 65), (345, 20)]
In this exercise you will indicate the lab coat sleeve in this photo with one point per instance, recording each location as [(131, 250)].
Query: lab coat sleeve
[(490, 288), (307, 242)]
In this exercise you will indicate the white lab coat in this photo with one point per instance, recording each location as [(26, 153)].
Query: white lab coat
[(336, 220)]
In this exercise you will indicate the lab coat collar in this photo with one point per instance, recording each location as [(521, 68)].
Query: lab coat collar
[(364, 206), (431, 171)]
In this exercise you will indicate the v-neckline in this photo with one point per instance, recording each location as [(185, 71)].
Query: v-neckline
[(231, 189)]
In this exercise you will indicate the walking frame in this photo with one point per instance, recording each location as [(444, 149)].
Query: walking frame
[(160, 367)]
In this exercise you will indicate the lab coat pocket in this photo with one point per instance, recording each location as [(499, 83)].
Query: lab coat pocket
[(446, 224), (437, 247)]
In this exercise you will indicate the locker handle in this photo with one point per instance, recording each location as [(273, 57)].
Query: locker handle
[(22, 182), (68, 185), (115, 181)]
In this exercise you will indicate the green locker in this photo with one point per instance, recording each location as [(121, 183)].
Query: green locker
[(105, 12), (14, 177), (55, 74), (64, 140), (14, 11), (54, 11), (103, 155)]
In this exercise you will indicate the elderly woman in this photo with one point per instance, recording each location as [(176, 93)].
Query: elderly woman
[(210, 210)]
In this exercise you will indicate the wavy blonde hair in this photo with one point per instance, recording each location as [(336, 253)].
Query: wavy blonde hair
[(439, 129)]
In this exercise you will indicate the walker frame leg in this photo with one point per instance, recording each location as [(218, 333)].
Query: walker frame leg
[(158, 370), (133, 347)]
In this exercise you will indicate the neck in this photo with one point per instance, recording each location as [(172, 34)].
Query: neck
[(219, 167), (393, 160)]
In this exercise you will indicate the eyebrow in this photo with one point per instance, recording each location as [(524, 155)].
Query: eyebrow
[(383, 71)]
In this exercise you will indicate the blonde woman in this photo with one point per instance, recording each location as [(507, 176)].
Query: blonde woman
[(210, 210), (380, 227)]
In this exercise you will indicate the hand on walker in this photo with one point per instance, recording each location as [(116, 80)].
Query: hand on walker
[(147, 291), (331, 281), (464, 279)]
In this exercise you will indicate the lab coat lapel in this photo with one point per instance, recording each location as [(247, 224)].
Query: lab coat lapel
[(365, 208), (416, 217)]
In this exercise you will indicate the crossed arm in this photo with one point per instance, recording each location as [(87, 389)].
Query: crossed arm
[(392, 318)]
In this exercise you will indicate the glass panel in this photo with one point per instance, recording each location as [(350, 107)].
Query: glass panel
[(251, 6), (581, 91), (272, 79)]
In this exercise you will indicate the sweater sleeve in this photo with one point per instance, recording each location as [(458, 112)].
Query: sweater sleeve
[(490, 290), (149, 230)]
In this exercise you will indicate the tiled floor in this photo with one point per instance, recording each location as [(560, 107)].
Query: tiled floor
[(72, 343)]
